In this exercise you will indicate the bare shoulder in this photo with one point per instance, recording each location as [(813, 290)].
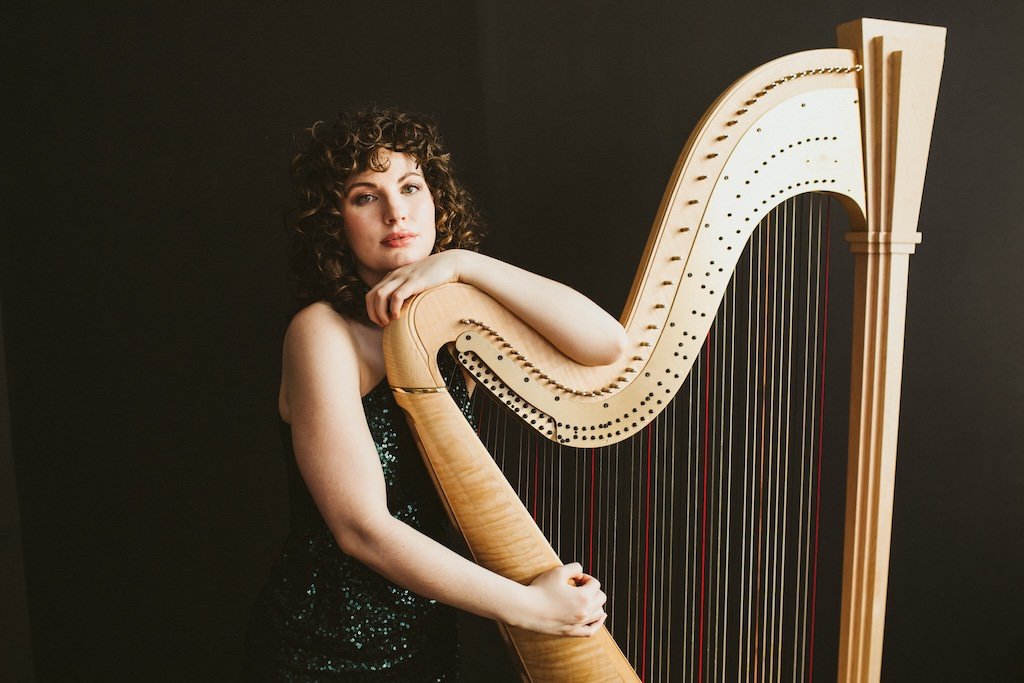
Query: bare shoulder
[(321, 355), (318, 333), (318, 321)]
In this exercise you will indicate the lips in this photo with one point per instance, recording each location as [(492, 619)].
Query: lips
[(399, 239)]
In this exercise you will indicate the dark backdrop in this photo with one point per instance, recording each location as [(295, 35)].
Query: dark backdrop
[(144, 298)]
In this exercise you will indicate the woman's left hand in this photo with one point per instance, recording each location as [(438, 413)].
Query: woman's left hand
[(384, 302)]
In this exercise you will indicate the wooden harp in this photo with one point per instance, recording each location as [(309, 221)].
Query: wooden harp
[(852, 123)]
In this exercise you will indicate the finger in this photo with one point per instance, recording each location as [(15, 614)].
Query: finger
[(397, 291), (376, 298), (381, 294), (381, 302), (587, 630), (588, 585), (594, 616), (395, 304), (594, 606), (371, 311), (596, 626), (373, 307), (398, 298), (574, 573)]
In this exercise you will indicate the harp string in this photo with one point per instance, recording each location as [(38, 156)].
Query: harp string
[(821, 436), (791, 325), (751, 450), (704, 527), (781, 447), (761, 394), (799, 625), (810, 370)]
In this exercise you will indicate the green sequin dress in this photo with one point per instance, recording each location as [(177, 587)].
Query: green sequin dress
[(325, 616)]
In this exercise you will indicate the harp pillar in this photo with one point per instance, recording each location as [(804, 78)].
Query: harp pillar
[(902, 63)]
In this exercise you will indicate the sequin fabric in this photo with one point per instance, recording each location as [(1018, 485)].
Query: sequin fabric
[(325, 616)]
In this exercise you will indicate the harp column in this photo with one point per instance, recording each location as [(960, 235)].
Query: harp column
[(902, 66)]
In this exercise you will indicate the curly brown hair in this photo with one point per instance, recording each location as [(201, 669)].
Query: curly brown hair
[(321, 265)]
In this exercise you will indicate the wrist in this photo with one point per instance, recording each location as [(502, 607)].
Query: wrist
[(466, 264), (518, 607)]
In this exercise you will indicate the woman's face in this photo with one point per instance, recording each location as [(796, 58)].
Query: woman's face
[(388, 216)]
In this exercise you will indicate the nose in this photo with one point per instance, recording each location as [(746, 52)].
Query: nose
[(396, 210)]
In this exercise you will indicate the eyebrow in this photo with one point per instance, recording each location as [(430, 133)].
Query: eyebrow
[(364, 183)]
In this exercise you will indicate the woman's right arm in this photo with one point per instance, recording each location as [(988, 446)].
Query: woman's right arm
[(340, 465)]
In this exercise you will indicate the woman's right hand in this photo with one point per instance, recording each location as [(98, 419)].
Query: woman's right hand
[(564, 601)]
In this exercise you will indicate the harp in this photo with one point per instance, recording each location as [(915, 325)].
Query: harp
[(853, 123)]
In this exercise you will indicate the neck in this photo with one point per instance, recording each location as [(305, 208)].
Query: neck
[(371, 278)]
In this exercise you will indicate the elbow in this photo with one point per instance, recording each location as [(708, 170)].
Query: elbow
[(361, 538), (608, 348), (620, 341)]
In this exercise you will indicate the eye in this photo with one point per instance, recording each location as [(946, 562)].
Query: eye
[(411, 188), (363, 199)]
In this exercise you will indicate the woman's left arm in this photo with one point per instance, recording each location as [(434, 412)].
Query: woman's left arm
[(577, 326)]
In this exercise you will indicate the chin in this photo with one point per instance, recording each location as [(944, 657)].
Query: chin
[(404, 259), (412, 256)]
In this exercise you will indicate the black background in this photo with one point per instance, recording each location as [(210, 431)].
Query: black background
[(144, 297)]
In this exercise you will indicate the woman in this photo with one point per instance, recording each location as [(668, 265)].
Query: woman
[(363, 586)]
